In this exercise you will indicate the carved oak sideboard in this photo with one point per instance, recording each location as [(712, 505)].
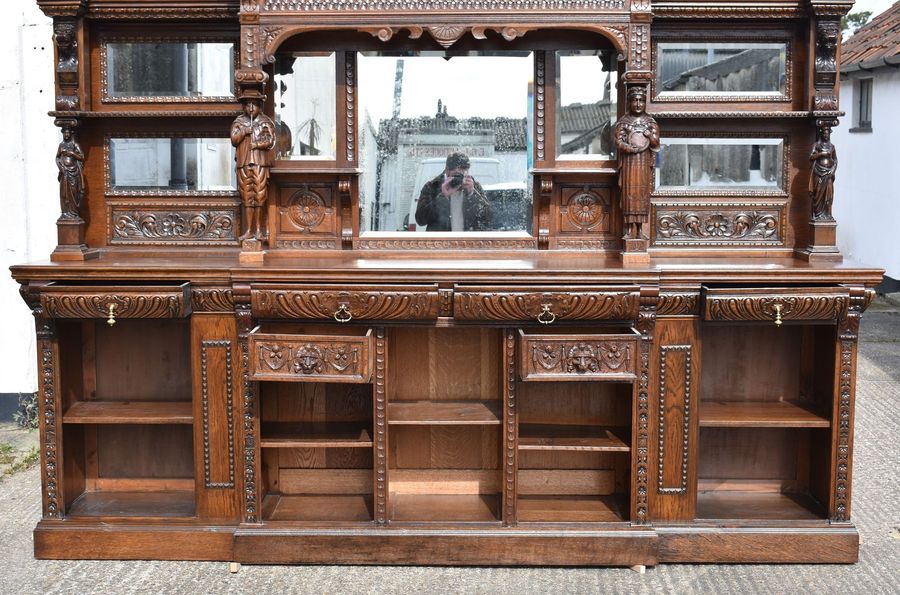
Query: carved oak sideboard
[(487, 282)]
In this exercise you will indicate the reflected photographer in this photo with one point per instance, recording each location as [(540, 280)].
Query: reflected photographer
[(453, 200)]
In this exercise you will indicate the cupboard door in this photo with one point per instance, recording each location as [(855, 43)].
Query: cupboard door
[(536, 305), (112, 301), (777, 305), (343, 304)]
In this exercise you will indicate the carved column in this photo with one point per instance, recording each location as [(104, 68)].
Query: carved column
[(250, 409), (825, 39), (641, 412)]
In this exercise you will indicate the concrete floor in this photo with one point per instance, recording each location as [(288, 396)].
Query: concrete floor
[(876, 512)]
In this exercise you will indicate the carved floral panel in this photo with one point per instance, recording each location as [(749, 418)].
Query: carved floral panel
[(173, 226), (718, 225)]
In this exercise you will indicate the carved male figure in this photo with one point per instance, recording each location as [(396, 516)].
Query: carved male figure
[(821, 181), (253, 135), (70, 162), (637, 140)]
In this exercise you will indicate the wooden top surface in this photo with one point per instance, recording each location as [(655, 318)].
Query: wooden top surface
[(554, 267)]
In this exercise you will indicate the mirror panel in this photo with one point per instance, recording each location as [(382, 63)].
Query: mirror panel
[(305, 105), (170, 165), (585, 104), (168, 71), (700, 164), (415, 111), (721, 69)]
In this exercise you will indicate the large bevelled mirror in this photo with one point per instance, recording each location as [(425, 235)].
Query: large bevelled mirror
[(585, 104), (445, 141)]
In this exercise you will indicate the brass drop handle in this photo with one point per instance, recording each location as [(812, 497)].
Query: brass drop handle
[(343, 314), (546, 316), (778, 321), (112, 315)]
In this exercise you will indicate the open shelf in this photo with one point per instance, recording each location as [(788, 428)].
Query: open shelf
[(762, 414), (572, 437), (563, 509), (474, 508), (444, 413), (168, 503), (315, 435), (746, 505), (328, 507), (129, 412)]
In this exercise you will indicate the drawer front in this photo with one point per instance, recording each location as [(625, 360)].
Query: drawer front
[(114, 302), (775, 304), (310, 358), (344, 305), (577, 357), (551, 306)]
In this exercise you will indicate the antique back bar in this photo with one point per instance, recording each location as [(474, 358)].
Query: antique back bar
[(589, 310)]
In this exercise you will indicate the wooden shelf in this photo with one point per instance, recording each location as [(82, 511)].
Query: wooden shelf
[(444, 413), (169, 503), (129, 412), (304, 507), (473, 508), (761, 414), (315, 435), (739, 505), (566, 437), (565, 509)]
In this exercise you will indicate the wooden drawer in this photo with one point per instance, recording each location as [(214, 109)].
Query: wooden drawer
[(551, 305), (775, 304), (114, 301), (578, 356), (290, 357), (342, 303)]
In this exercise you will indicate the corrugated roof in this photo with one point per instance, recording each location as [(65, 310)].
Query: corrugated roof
[(879, 38)]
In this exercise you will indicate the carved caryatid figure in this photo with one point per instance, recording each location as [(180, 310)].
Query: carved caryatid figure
[(70, 162), (821, 181), (637, 140), (253, 135)]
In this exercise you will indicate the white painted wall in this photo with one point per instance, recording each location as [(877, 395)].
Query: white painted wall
[(867, 185), (29, 202)]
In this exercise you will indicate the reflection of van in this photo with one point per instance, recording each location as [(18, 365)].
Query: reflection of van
[(485, 170)]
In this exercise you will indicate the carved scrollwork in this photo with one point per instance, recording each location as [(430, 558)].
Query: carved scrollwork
[(587, 305), (214, 299), (763, 308), (126, 306), (172, 226), (689, 226), (675, 303), (363, 305)]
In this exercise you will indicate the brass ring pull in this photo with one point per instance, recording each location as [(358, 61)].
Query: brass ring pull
[(546, 316), (778, 321), (343, 314), (112, 315)]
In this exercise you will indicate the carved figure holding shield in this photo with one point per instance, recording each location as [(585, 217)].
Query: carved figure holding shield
[(253, 135), (637, 140)]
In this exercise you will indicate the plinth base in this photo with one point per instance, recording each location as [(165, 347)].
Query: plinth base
[(71, 247), (251, 252), (822, 243), (636, 251)]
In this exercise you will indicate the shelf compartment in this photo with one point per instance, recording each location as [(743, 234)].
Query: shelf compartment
[(129, 412), (752, 505), (572, 437), (473, 508), (315, 435), (136, 504), (309, 508), (762, 414), (444, 413), (569, 509)]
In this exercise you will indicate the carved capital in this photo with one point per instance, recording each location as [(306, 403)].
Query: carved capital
[(828, 34)]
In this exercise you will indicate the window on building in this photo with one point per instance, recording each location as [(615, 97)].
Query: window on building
[(864, 104)]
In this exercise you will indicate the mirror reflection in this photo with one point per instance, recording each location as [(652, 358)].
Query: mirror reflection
[(719, 163), (170, 69), (305, 102), (445, 141), (721, 68), (586, 104), (171, 164)]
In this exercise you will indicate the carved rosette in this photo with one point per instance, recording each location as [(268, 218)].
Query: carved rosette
[(374, 305), (585, 210), (306, 209), (664, 351)]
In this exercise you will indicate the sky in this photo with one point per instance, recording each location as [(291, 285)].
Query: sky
[(876, 6)]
